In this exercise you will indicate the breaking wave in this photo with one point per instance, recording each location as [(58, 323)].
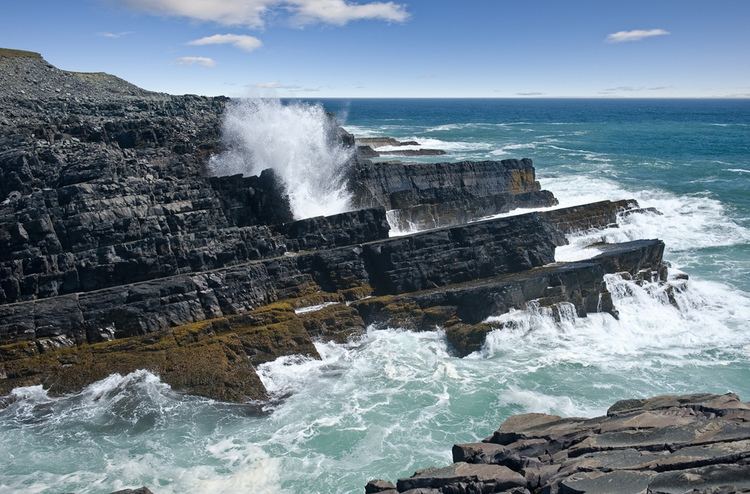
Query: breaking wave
[(298, 141)]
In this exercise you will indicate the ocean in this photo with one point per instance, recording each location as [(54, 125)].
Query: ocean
[(395, 401)]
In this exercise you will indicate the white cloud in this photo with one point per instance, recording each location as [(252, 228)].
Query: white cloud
[(203, 61), (229, 12), (340, 12), (250, 13), (241, 41), (630, 89), (107, 34), (635, 35)]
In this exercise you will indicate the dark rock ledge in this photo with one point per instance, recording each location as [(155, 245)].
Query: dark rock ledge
[(366, 148), (697, 444)]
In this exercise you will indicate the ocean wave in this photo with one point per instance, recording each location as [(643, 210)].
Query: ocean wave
[(362, 131), (384, 405), (531, 401), (650, 333), (686, 222), (513, 147), (474, 125), (738, 170), (449, 127)]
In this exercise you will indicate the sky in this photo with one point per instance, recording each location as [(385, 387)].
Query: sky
[(399, 48)]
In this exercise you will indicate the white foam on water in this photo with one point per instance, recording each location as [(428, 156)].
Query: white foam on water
[(360, 131), (448, 127), (508, 148), (738, 170), (430, 143), (650, 332), (686, 222), (298, 141), (537, 402), (474, 125), (573, 252)]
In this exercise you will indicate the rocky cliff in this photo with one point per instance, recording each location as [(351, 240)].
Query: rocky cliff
[(429, 195), (119, 252), (662, 445)]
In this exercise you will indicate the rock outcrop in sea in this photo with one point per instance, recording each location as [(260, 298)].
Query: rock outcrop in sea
[(121, 252), (697, 444)]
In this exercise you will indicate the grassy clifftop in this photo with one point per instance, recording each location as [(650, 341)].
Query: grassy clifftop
[(11, 53)]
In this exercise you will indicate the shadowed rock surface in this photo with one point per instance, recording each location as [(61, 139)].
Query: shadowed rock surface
[(663, 445)]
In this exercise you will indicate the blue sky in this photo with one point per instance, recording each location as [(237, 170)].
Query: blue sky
[(403, 48)]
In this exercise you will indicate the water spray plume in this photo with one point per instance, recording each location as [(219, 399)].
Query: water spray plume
[(298, 141)]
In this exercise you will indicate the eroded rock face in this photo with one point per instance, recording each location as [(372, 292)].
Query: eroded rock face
[(430, 195), (118, 252), (425, 260), (460, 308), (667, 444), (102, 184)]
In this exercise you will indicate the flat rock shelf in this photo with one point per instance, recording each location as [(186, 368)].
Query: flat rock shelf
[(662, 445)]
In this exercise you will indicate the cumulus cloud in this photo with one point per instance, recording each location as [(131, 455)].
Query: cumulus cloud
[(340, 12), (251, 13), (203, 61), (241, 41), (530, 93), (635, 35), (229, 12)]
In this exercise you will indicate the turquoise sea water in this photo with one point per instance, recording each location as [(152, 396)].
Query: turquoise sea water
[(396, 401)]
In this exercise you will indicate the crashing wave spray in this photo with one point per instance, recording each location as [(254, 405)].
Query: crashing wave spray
[(299, 141)]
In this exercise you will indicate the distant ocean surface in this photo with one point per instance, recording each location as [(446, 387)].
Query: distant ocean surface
[(396, 401)]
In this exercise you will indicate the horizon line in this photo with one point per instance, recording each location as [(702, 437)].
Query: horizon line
[(729, 98)]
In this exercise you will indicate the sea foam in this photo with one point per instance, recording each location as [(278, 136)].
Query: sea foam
[(298, 141)]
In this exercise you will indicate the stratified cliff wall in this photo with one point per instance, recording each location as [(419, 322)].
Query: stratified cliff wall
[(118, 252), (429, 195)]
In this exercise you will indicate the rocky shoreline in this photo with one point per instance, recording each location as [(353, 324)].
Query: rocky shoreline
[(120, 251), (123, 253), (661, 445)]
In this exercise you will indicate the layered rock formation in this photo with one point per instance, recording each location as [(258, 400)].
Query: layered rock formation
[(118, 251), (663, 445), (429, 195)]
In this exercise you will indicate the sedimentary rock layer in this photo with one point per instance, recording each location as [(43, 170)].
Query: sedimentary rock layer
[(222, 347), (429, 195), (416, 262), (663, 445), (461, 308)]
